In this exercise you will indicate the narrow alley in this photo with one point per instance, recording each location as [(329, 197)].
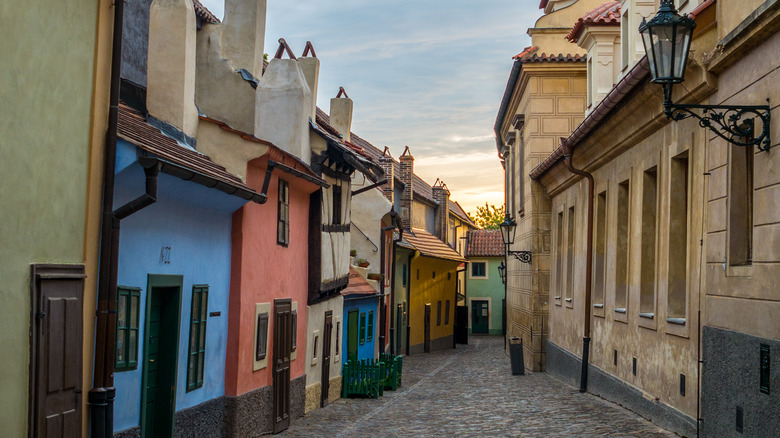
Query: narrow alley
[(470, 392)]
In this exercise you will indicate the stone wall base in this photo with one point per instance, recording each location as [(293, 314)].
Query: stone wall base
[(314, 391), (561, 363), (443, 343), (731, 380), (205, 419), (249, 414)]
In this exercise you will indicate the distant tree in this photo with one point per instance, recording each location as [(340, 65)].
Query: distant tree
[(488, 217)]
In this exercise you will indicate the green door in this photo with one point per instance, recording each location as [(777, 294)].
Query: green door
[(161, 342), (479, 316), (352, 335)]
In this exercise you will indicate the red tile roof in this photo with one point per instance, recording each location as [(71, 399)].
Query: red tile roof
[(133, 128), (543, 4), (607, 14), (526, 51), (203, 13), (484, 243), (357, 285), (544, 57), (430, 245)]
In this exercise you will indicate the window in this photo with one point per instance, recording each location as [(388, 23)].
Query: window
[(678, 240), (621, 254), (590, 80), (559, 256), (404, 275), (740, 225), (197, 352), (649, 213), (433, 274), (261, 346), (447, 312), (438, 312), (601, 249), (418, 274), (336, 205), (127, 328), (478, 269), (294, 330), (338, 335), (624, 38), (283, 215), (370, 334), (362, 329), (570, 255)]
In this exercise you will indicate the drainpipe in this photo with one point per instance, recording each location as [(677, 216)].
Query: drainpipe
[(101, 397), (567, 153), (396, 220), (408, 305)]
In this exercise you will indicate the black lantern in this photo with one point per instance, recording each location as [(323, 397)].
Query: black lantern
[(502, 272), (508, 228), (667, 40)]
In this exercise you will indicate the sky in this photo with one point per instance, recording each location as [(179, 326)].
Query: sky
[(428, 74)]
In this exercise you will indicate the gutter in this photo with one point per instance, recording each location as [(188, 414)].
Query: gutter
[(510, 87), (588, 266), (627, 84)]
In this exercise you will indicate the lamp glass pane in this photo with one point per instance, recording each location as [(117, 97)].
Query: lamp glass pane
[(683, 45), (647, 40), (663, 40)]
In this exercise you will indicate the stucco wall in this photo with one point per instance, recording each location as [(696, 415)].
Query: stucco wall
[(400, 292), (195, 223), (427, 289), (488, 289), (45, 123), (262, 271), (369, 208), (316, 323)]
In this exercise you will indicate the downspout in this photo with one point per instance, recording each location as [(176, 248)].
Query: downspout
[(567, 153), (101, 396), (408, 305), (397, 224)]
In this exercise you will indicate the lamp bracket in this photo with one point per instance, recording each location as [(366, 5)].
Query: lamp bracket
[(733, 123), (523, 256)]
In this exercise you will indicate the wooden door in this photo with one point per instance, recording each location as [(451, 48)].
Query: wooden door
[(326, 338), (479, 316), (352, 335), (283, 332), (399, 328), (427, 342), (462, 324), (56, 350), (161, 345)]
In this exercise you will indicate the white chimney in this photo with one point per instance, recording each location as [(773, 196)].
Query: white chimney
[(243, 34), (341, 114), (171, 64), (310, 65)]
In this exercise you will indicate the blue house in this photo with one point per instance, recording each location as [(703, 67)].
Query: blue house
[(173, 283), (361, 310)]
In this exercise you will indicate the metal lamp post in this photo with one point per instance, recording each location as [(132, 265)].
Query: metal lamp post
[(667, 41)]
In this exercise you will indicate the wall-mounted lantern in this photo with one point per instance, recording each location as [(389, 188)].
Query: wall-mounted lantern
[(502, 272), (667, 41), (508, 228)]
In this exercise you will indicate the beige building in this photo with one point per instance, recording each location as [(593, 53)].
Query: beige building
[(683, 250), (545, 99)]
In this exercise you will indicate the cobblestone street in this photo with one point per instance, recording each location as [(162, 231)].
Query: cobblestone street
[(471, 392)]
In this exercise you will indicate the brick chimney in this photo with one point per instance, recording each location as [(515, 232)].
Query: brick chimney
[(407, 178), (341, 114), (386, 163), (441, 194), (310, 65), (171, 64), (283, 103), (243, 34)]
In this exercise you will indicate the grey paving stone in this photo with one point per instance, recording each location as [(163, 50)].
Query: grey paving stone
[(470, 392)]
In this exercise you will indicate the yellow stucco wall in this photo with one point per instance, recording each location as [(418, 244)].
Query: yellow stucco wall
[(426, 289), (52, 158)]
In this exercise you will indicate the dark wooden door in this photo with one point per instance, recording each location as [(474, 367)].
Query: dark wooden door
[(399, 328), (462, 324), (427, 342), (161, 340), (56, 350), (352, 335), (281, 376), (326, 339), (479, 317)]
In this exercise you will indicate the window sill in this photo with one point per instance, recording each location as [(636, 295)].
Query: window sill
[(568, 300), (678, 321), (598, 306), (648, 315), (620, 310)]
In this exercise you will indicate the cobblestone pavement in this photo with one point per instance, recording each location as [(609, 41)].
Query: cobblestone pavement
[(470, 392)]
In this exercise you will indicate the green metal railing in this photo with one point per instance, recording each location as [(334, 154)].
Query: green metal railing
[(370, 377)]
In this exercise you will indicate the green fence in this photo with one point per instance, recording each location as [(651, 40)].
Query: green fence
[(371, 377)]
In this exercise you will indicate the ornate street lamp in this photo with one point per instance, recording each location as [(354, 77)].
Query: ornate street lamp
[(502, 272), (508, 228), (667, 41)]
